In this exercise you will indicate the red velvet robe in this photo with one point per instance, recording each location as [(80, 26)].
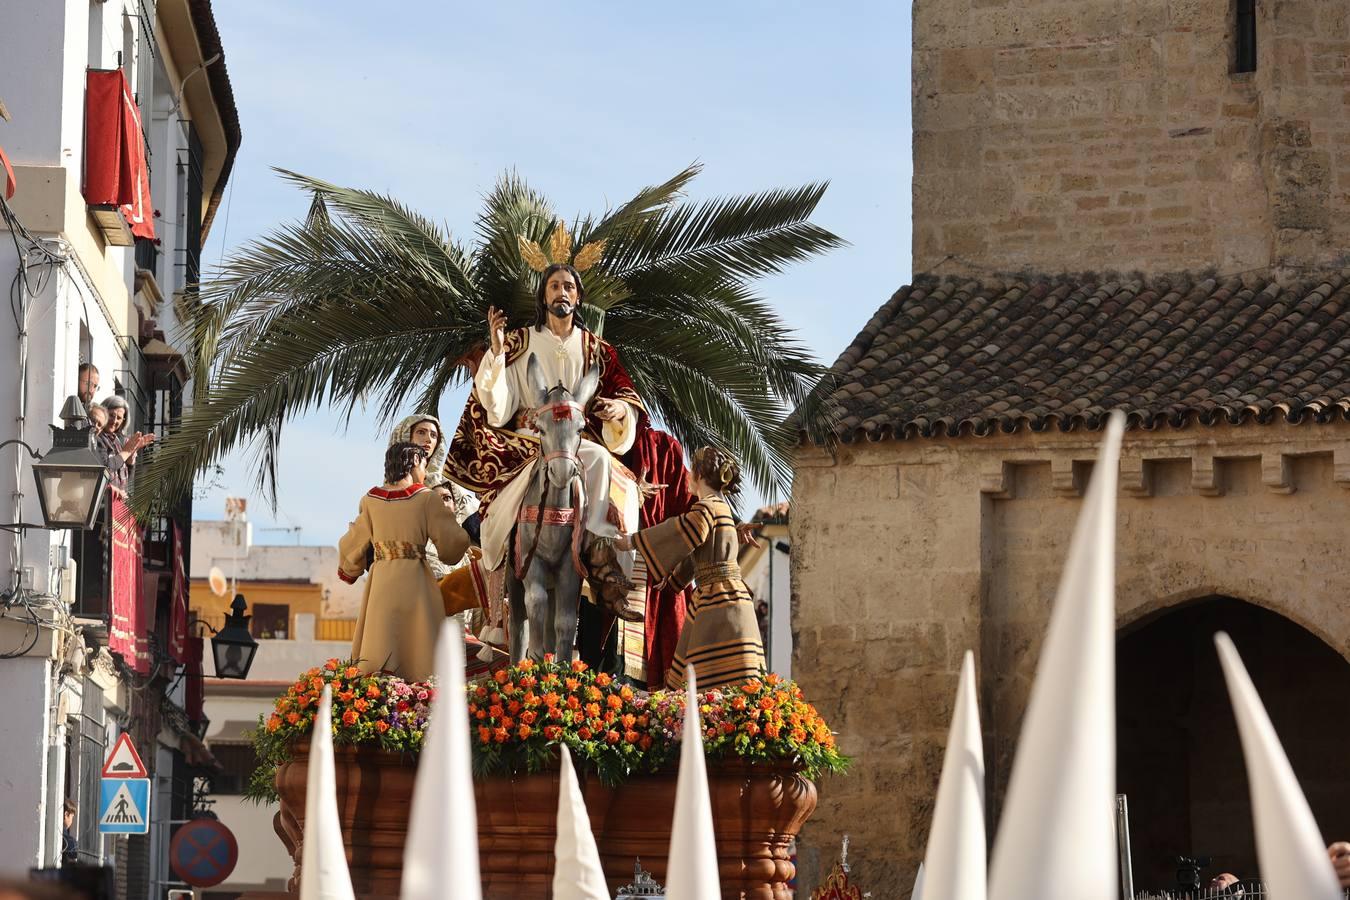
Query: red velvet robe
[(483, 459), (658, 458)]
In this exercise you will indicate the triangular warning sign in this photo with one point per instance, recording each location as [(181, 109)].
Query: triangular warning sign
[(124, 761), (122, 810)]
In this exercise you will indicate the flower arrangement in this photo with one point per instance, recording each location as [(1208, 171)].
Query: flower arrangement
[(521, 714), (764, 719), (524, 712), (368, 708)]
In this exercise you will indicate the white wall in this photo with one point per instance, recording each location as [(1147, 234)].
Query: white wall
[(213, 544), (23, 763)]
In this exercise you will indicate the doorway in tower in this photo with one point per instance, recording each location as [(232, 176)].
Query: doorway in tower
[(1179, 759)]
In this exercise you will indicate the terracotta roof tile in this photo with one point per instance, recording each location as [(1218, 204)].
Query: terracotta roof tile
[(968, 358)]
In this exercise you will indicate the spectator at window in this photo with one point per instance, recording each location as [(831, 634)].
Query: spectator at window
[(109, 418)]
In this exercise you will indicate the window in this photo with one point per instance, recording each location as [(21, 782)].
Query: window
[(1244, 56), (271, 620), (238, 762)]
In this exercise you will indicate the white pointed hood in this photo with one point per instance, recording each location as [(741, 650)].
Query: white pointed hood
[(691, 868), (323, 860), (1056, 837), (954, 867), (1294, 862), (577, 874), (441, 856)]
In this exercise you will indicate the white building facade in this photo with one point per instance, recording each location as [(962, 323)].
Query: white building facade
[(84, 289)]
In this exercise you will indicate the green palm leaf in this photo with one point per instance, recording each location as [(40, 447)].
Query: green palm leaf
[(365, 302)]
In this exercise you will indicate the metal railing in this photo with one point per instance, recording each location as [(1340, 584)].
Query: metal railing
[(1247, 890)]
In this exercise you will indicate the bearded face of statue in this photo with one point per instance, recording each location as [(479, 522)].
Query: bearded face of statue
[(561, 293)]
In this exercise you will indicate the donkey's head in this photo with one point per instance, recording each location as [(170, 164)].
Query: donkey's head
[(559, 417)]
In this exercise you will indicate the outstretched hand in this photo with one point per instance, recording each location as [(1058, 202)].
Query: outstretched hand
[(607, 410), (748, 533), (496, 329)]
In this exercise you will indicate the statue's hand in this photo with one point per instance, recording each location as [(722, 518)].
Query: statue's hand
[(610, 410), (496, 329)]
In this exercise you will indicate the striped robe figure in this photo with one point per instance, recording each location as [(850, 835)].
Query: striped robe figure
[(720, 636)]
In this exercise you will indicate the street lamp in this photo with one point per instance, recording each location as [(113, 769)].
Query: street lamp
[(70, 478), (232, 646)]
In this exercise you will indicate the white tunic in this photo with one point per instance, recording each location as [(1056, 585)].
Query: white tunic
[(503, 390)]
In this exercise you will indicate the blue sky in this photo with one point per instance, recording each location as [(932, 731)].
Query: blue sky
[(430, 102)]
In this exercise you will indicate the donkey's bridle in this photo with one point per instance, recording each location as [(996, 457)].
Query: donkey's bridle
[(573, 515)]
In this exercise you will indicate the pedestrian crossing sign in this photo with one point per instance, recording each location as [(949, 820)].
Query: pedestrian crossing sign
[(124, 806)]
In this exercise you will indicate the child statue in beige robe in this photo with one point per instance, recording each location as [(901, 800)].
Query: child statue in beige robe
[(402, 611)]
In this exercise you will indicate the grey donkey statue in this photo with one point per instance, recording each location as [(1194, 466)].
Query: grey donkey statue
[(550, 548)]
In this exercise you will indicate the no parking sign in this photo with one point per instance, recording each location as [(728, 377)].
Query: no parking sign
[(203, 852)]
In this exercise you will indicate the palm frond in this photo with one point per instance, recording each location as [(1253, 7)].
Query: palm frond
[(366, 303)]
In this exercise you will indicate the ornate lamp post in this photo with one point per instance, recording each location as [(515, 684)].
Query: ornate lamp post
[(232, 646), (70, 478)]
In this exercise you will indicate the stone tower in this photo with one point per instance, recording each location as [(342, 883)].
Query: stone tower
[(1157, 136)]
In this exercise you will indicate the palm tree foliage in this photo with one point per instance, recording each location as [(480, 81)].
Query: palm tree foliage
[(367, 303)]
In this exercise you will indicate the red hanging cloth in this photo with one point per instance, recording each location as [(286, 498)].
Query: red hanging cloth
[(129, 625), (178, 616), (115, 167), (194, 687)]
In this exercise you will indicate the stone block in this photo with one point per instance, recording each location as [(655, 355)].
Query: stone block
[(965, 70)]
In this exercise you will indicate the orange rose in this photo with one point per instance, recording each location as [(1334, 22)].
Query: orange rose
[(292, 717), (752, 686), (382, 726), (500, 676), (579, 666), (646, 742), (524, 732), (626, 692), (480, 691), (738, 703), (331, 665), (481, 714), (592, 710), (631, 737), (603, 679), (771, 732), (349, 717), (495, 711), (774, 678), (484, 734), (629, 720), (273, 723), (571, 684), (526, 665), (507, 721), (573, 702), (552, 732), (728, 728), (500, 735), (346, 696), (527, 717), (611, 737), (584, 733), (551, 699), (513, 707), (351, 672), (614, 701), (373, 691), (798, 735), (528, 682)]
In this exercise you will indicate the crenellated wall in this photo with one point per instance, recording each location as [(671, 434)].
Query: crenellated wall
[(906, 553)]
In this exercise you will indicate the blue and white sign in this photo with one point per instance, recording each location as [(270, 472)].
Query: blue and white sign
[(124, 806)]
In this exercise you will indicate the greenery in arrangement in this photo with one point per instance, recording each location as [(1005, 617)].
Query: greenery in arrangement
[(519, 716), (378, 710), (367, 302)]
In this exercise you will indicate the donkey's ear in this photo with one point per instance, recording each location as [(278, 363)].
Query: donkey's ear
[(587, 386), (534, 376)]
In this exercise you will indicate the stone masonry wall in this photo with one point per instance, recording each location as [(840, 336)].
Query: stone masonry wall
[(1093, 135), (906, 553)]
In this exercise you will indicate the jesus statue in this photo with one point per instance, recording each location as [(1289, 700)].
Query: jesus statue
[(495, 447)]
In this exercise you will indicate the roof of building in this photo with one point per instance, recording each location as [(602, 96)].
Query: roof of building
[(776, 514), (208, 36), (944, 359)]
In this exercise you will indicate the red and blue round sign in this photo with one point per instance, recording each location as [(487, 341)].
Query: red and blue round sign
[(203, 853)]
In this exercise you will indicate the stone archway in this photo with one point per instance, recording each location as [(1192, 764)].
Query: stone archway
[(1179, 760)]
